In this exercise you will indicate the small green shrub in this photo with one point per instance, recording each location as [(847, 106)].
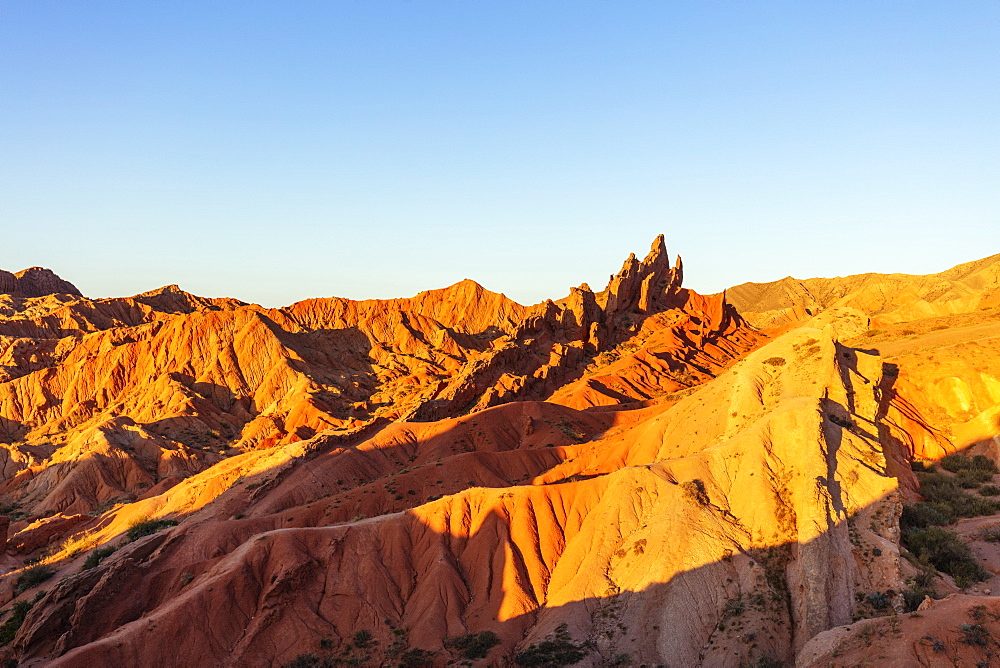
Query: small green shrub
[(363, 639), (474, 645), (734, 608), (921, 515), (947, 553), (984, 463), (11, 625), (975, 635), (97, 556), (956, 463), (878, 600), (310, 660), (989, 490), (559, 650), (148, 528), (925, 578), (767, 662), (945, 494), (416, 658), (978, 612), (775, 361), (914, 596), (567, 429), (972, 478), (32, 577)]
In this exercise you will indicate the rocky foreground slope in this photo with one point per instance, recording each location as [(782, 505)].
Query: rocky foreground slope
[(632, 476)]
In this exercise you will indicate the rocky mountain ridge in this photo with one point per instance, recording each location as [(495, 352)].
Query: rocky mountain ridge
[(35, 282), (887, 298), (630, 476)]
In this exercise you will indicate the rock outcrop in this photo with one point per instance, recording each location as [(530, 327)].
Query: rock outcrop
[(557, 342), (35, 282)]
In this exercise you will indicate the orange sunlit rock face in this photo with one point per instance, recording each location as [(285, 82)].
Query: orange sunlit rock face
[(635, 475), (886, 298)]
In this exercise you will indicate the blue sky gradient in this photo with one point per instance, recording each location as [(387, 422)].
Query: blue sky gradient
[(274, 151)]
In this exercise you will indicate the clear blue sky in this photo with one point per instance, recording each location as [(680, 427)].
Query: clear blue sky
[(275, 151)]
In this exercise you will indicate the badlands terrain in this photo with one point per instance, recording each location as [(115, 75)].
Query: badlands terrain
[(794, 473)]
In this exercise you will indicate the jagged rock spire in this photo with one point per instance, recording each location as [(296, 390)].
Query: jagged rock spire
[(642, 285)]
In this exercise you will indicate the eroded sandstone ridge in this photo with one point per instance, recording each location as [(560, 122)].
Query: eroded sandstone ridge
[(887, 298), (631, 476), (35, 282)]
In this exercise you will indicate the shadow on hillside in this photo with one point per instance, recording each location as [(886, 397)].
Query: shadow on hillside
[(336, 363), (348, 482), (11, 431), (480, 443), (409, 584), (288, 570), (745, 604), (545, 358)]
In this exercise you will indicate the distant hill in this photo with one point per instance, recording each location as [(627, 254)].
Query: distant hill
[(35, 282), (887, 297)]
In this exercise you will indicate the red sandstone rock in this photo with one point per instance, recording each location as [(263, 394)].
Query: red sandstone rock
[(35, 282), (636, 466)]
